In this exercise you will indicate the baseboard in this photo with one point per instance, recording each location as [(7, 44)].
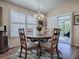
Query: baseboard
[(14, 47), (75, 45)]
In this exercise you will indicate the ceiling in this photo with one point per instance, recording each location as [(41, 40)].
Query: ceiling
[(45, 5)]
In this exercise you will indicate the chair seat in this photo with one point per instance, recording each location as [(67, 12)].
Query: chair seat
[(30, 44), (48, 44)]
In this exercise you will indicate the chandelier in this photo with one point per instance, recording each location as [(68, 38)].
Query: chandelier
[(39, 15)]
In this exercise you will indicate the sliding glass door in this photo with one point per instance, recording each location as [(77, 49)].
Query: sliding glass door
[(64, 24)]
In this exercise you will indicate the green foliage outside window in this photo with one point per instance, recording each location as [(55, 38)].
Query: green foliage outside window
[(65, 27)]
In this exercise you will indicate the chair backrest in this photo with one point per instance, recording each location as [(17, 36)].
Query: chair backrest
[(29, 31), (55, 38), (22, 37)]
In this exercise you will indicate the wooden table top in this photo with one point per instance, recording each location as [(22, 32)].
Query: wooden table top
[(38, 36)]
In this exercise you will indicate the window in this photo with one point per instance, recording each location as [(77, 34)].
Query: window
[(62, 22), (19, 20), (31, 25), (51, 23)]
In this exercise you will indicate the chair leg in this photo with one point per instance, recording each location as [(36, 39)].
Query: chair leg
[(37, 52), (40, 50), (20, 52), (26, 54), (58, 54), (51, 55)]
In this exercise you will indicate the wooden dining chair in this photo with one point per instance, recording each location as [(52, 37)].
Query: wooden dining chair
[(24, 44), (53, 44)]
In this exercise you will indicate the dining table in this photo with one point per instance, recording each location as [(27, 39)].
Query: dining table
[(39, 39)]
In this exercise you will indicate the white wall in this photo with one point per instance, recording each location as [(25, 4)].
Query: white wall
[(66, 8)]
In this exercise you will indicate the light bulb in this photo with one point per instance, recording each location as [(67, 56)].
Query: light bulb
[(39, 16)]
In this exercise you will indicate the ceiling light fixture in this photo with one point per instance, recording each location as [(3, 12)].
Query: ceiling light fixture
[(39, 15)]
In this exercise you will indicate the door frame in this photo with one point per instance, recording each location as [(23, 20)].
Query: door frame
[(71, 24)]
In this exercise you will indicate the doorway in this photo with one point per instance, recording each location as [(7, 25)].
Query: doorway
[(64, 23)]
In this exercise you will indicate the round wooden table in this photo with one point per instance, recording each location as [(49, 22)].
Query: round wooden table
[(39, 39)]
